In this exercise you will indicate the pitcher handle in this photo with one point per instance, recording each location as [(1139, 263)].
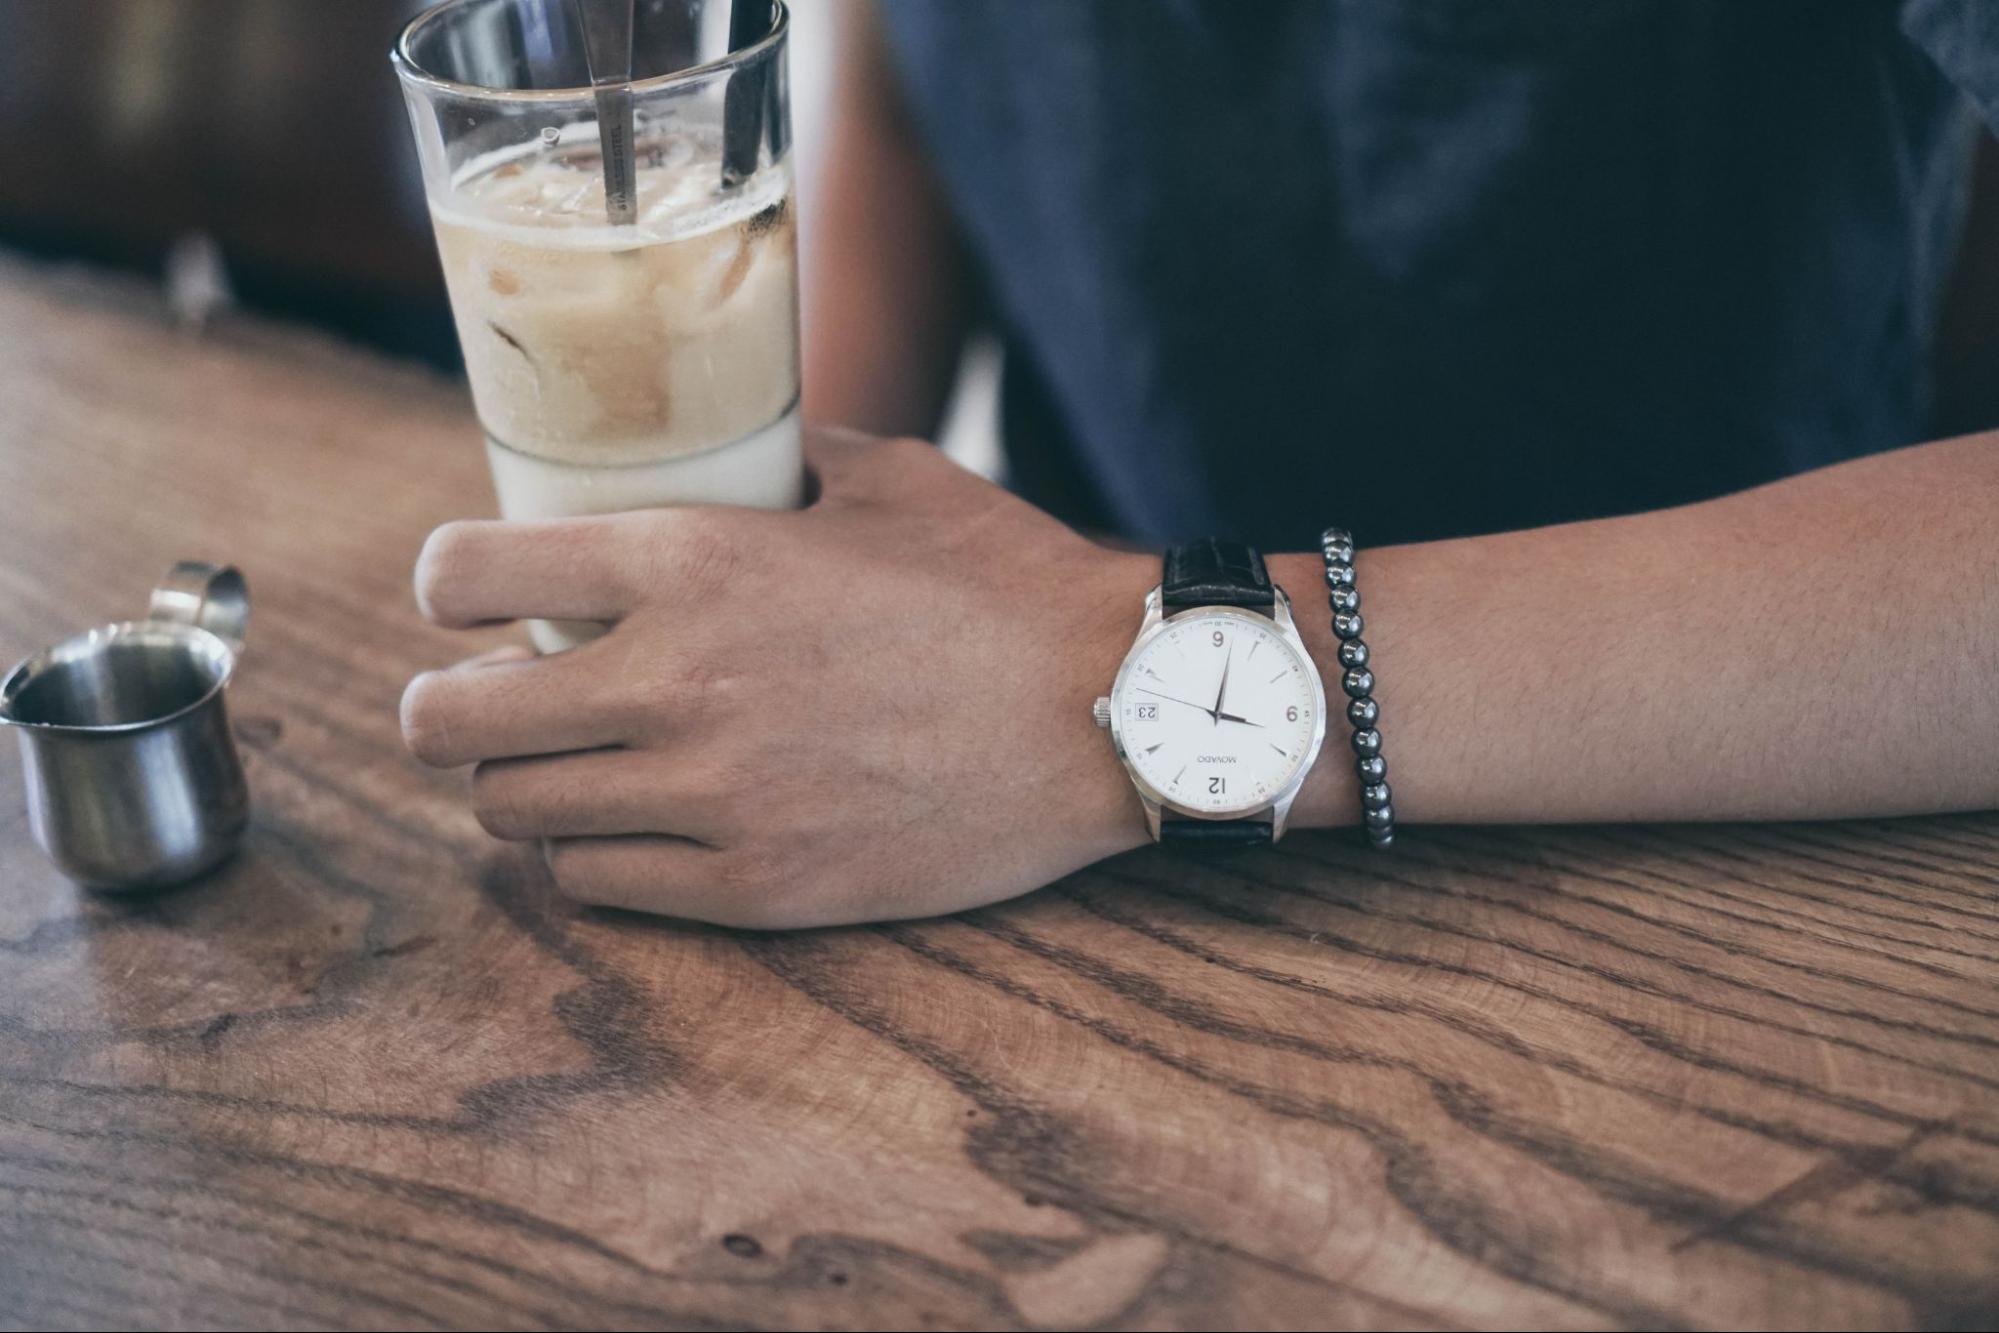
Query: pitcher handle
[(214, 597)]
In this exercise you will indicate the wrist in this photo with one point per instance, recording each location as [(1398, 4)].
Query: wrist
[(1099, 808), (1330, 797)]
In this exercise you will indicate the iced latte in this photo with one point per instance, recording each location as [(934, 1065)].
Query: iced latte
[(616, 365), (627, 367)]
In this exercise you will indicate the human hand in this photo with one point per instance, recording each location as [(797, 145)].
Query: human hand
[(875, 707)]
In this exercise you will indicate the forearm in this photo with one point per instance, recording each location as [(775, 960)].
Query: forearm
[(783, 695), (1824, 646)]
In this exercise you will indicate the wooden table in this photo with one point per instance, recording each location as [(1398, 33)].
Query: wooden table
[(374, 1074)]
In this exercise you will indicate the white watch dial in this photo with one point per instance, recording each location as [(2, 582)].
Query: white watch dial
[(1217, 712)]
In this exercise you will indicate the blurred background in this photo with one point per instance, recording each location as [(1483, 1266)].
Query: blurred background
[(257, 150)]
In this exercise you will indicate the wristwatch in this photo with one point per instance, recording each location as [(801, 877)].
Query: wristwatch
[(1218, 712)]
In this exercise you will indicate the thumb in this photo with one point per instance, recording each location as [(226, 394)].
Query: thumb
[(834, 455), (852, 465)]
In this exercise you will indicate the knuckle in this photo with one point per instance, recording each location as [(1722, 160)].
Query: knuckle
[(736, 773), (626, 547), (742, 870), (578, 551), (645, 527), (758, 893), (700, 685), (706, 559), (648, 699), (658, 696), (669, 692)]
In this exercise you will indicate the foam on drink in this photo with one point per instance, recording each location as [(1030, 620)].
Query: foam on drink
[(627, 367)]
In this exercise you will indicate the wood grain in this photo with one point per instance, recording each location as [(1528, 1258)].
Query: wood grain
[(374, 1074)]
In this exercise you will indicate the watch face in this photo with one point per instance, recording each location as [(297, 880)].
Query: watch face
[(1217, 712)]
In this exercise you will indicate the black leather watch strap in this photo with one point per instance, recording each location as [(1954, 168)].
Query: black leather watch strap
[(1212, 573), (1219, 834)]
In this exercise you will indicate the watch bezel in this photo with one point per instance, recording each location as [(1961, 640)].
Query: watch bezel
[(1156, 624)]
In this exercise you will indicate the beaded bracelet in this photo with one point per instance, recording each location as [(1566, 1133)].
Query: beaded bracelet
[(1377, 814)]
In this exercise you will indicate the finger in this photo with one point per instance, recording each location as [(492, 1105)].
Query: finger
[(484, 709), (671, 876), (596, 793), (512, 652), (555, 569)]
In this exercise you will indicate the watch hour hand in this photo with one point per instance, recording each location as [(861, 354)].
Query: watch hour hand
[(1231, 717)]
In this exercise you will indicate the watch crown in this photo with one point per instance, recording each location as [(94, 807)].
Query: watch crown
[(1101, 711)]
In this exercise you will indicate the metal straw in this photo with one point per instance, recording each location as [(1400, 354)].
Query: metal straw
[(743, 100), (607, 53)]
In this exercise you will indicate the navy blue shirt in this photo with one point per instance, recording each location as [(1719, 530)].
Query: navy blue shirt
[(1434, 267)]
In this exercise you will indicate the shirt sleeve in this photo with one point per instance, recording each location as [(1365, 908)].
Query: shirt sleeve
[(1962, 37)]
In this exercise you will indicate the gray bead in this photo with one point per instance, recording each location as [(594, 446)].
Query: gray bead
[(1358, 683), (1347, 624), (1343, 599), (1363, 712), (1367, 742), (1337, 545), (1371, 767), (1374, 795), (1338, 575), (1382, 838), (1381, 817), (1353, 653)]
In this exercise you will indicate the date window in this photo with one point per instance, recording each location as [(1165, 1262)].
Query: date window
[(1148, 712)]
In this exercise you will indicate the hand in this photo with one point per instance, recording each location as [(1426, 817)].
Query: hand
[(875, 707)]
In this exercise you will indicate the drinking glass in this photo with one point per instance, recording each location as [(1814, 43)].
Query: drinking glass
[(616, 363)]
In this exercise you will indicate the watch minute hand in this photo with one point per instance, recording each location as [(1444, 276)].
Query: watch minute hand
[(1222, 692), (1186, 703)]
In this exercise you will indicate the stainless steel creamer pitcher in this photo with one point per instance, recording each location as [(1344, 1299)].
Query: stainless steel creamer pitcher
[(133, 781)]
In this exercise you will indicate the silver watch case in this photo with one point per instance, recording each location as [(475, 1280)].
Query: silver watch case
[(1157, 802)]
